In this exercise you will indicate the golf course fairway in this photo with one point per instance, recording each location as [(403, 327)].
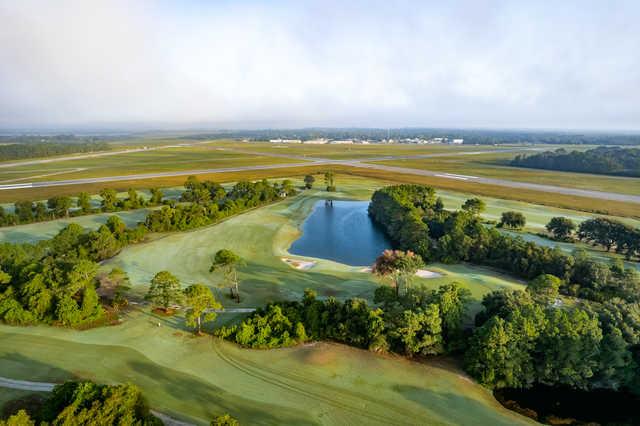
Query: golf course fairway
[(195, 378)]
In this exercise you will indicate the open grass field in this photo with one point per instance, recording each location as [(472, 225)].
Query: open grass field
[(358, 151), (161, 160), (495, 166)]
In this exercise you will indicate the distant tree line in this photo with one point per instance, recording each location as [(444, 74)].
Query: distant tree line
[(54, 281), (470, 136), (415, 220), (63, 207), (601, 160), (33, 147)]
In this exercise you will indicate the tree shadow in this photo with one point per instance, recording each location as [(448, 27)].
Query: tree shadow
[(457, 408), (189, 391)]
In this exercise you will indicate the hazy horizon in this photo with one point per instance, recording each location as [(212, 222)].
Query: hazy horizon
[(160, 65)]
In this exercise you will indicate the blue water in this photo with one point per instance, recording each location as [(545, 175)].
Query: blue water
[(343, 233)]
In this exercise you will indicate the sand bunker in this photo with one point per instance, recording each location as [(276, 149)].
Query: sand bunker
[(299, 264), (424, 273)]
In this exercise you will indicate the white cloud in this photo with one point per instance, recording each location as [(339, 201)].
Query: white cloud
[(299, 64)]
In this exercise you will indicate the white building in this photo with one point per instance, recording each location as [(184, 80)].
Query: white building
[(316, 141), (342, 142), (285, 141), (457, 141)]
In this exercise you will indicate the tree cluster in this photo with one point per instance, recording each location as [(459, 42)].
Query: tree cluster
[(209, 203), (418, 322), (611, 233), (601, 160), (88, 403), (415, 220), (54, 281)]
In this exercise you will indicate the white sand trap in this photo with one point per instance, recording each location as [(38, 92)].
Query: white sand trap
[(367, 269), (299, 264), (424, 273)]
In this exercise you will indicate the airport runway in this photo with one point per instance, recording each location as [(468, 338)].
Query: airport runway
[(357, 163)]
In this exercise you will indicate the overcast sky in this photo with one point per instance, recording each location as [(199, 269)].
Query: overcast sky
[(161, 64)]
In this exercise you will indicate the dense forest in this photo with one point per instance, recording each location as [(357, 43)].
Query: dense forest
[(601, 160), (19, 147)]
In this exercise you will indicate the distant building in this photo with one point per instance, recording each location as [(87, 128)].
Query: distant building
[(285, 141), (316, 141), (457, 141), (342, 142)]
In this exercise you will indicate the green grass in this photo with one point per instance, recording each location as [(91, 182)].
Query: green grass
[(495, 166), (196, 378)]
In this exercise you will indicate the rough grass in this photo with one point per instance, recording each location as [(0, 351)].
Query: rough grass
[(171, 159)]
